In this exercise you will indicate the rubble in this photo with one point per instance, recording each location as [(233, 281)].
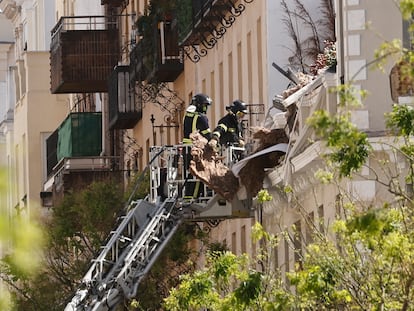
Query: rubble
[(303, 79), (207, 165), (266, 138)]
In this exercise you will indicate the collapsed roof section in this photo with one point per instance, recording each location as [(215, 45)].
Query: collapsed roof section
[(279, 144)]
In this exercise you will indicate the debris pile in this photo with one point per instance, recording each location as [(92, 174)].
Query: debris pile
[(207, 166), (303, 79), (271, 146), (253, 173)]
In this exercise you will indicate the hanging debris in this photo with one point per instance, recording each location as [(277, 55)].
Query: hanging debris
[(266, 138), (207, 166)]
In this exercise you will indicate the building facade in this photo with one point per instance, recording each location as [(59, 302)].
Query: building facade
[(6, 95), (36, 111), (94, 84), (360, 29)]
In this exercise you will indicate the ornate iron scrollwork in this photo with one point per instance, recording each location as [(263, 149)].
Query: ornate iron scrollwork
[(161, 94), (208, 225), (224, 18), (194, 53)]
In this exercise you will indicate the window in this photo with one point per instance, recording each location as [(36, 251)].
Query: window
[(233, 243), (297, 241), (276, 257), (260, 60), (203, 86), (406, 38), (286, 247), (338, 205), (310, 221), (230, 79), (212, 95), (243, 239), (239, 70), (249, 67), (321, 218)]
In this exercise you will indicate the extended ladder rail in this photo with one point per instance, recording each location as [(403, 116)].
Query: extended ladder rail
[(128, 255), (100, 289), (145, 230), (146, 249)]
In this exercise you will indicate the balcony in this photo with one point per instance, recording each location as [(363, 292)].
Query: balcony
[(74, 174), (124, 110), (74, 155), (80, 135), (83, 53), (157, 56), (203, 22), (290, 114)]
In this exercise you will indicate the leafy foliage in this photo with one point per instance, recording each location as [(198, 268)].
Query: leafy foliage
[(24, 259), (230, 282), (349, 147), (75, 231)]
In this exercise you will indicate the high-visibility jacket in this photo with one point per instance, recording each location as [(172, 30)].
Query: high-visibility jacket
[(228, 130), (194, 120)]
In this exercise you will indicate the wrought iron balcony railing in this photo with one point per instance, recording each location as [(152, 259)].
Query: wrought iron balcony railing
[(83, 53), (124, 110), (157, 56), (203, 22)]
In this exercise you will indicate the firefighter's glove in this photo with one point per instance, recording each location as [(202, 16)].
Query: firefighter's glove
[(241, 143), (213, 144)]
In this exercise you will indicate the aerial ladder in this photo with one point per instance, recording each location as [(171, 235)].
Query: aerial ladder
[(147, 226)]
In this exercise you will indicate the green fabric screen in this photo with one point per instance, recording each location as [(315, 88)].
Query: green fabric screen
[(80, 135)]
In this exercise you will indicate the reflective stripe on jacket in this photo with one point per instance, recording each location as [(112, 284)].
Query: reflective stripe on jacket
[(195, 121), (228, 130)]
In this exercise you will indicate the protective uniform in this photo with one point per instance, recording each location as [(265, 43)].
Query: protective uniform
[(195, 119), (229, 129)]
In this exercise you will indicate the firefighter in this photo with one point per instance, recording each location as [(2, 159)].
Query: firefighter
[(195, 119), (229, 129)]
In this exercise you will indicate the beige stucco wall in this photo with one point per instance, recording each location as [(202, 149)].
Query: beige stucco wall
[(5, 100), (243, 73), (37, 114), (241, 58)]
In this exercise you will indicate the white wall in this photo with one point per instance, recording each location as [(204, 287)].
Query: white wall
[(88, 8), (6, 29), (6, 54)]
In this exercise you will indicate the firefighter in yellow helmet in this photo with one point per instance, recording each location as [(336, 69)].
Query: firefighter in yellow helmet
[(195, 119)]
